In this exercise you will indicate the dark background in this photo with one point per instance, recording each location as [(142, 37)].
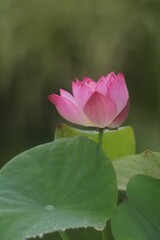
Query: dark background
[(44, 45)]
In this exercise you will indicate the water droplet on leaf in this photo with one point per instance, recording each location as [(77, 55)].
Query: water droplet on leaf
[(98, 228), (50, 207)]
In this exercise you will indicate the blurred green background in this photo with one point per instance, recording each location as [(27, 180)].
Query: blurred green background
[(44, 45)]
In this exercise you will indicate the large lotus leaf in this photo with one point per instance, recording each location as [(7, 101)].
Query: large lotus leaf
[(147, 163), (138, 218), (116, 143), (69, 183)]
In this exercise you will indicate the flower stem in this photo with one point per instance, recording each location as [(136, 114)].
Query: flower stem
[(104, 234), (64, 235), (100, 137)]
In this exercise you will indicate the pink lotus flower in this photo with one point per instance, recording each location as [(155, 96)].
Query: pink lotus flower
[(96, 104)]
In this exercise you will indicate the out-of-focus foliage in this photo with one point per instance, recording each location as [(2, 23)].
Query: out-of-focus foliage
[(46, 44)]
